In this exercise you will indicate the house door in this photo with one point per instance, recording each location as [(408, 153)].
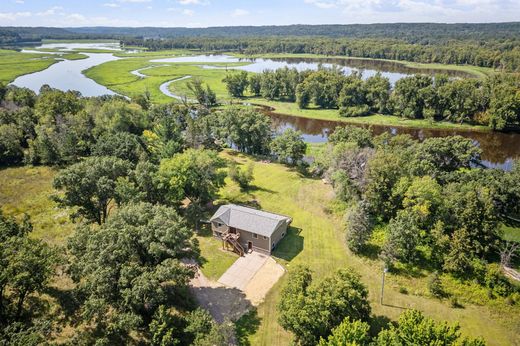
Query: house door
[(249, 246)]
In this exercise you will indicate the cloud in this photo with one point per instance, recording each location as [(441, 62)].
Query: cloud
[(12, 16), (111, 4), (19, 1), (50, 12), (239, 12), (134, 1), (193, 2), (187, 12), (321, 4)]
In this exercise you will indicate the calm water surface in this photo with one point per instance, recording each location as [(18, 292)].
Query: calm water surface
[(498, 149)]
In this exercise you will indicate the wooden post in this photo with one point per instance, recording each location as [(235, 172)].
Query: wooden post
[(383, 284)]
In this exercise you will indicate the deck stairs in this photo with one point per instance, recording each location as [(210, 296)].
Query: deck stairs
[(232, 239)]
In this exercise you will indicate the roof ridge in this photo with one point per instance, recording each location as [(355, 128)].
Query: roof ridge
[(250, 211)]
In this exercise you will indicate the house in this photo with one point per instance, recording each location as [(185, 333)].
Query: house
[(248, 229)]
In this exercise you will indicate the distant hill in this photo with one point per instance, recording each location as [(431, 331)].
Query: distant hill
[(407, 31)]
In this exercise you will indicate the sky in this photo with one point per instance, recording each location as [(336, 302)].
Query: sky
[(204, 13)]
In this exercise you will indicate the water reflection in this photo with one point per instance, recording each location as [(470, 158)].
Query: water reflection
[(498, 149)]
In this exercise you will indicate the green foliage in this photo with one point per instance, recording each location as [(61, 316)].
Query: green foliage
[(204, 96), (348, 333), (129, 266), (90, 186), (248, 130), (237, 83), (26, 267), (11, 151), (343, 134), (415, 329), (289, 147), (243, 177), (358, 225), (193, 174), (435, 286), (122, 145), (311, 310)]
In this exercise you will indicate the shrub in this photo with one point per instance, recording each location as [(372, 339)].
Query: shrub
[(357, 111), (435, 286), (242, 177)]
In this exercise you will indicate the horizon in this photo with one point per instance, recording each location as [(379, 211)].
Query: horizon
[(215, 13)]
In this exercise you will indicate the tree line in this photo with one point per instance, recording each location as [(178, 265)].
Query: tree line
[(502, 54), (493, 101)]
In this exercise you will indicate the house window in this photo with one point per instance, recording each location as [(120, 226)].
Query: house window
[(219, 224), (255, 236), (283, 234)]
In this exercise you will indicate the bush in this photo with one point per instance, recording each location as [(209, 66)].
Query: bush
[(403, 290), (357, 111), (242, 177), (496, 281), (435, 286)]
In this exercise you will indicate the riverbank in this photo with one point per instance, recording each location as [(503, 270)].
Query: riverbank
[(291, 109)]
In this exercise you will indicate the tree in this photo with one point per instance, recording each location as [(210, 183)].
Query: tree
[(289, 147), (404, 235), (11, 151), (415, 329), (194, 174), (247, 129), (90, 186), (358, 224), (255, 83), (242, 177), (348, 333), (26, 266), (236, 83), (410, 96), (205, 97), (130, 266), (361, 136), (311, 310), (122, 145)]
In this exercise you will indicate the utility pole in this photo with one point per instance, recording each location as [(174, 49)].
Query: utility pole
[(385, 269)]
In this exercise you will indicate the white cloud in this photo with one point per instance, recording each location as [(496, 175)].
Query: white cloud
[(12, 16), (187, 12), (111, 4), (321, 4), (193, 2), (134, 1), (19, 1), (239, 12), (50, 12)]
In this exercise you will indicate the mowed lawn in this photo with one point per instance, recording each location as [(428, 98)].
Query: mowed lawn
[(317, 240)]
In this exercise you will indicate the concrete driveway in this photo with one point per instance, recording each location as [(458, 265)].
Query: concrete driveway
[(243, 270)]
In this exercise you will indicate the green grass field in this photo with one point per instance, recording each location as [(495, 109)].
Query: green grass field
[(317, 241), (14, 64), (28, 190)]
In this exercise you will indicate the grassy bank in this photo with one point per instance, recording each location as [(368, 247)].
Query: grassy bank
[(14, 64), (316, 240)]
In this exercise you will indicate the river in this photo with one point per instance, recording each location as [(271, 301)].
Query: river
[(499, 149)]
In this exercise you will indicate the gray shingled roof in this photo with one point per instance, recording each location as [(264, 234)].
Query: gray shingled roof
[(249, 219)]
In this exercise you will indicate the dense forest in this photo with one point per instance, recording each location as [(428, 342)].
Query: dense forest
[(127, 169)]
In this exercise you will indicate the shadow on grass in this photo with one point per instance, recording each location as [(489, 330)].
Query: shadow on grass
[(290, 246), (378, 323), (66, 299), (247, 325), (223, 303)]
